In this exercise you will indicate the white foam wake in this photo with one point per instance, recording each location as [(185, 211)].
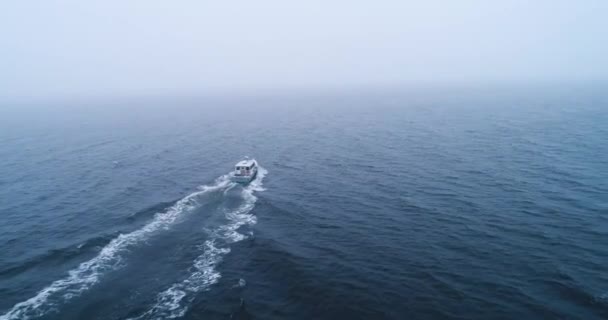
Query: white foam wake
[(88, 273), (174, 301)]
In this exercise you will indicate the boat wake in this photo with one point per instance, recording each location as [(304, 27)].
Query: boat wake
[(111, 258), (175, 300)]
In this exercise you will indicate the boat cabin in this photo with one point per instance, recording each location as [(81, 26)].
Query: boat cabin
[(245, 167)]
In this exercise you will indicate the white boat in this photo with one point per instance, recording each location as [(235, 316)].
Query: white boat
[(245, 171)]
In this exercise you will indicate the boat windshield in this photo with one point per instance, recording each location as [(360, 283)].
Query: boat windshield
[(243, 170)]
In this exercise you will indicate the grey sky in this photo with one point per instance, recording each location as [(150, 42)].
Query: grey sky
[(79, 48)]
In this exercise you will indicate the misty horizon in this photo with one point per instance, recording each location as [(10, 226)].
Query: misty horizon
[(65, 49)]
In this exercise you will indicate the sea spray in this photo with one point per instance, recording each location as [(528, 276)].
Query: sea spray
[(109, 258)]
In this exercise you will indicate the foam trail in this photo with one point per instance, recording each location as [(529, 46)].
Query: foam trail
[(242, 283), (110, 258), (174, 301)]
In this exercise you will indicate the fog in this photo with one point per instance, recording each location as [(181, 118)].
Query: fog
[(54, 49)]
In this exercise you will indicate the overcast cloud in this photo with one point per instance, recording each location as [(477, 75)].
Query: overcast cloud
[(80, 48)]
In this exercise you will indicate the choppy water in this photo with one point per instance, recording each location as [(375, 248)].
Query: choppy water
[(413, 205)]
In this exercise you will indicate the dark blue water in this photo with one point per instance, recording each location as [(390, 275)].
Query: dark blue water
[(429, 204)]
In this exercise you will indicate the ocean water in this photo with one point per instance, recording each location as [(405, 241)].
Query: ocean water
[(412, 204)]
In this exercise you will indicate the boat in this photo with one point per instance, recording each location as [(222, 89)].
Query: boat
[(245, 171)]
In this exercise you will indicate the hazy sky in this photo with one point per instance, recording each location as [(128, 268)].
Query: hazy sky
[(80, 48)]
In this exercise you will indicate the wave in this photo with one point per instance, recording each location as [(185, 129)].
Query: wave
[(110, 258), (174, 301), (52, 256), (150, 211)]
